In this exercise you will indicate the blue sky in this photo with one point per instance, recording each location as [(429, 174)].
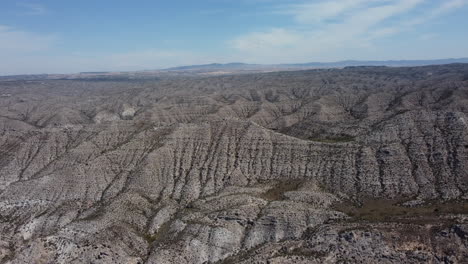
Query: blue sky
[(57, 36)]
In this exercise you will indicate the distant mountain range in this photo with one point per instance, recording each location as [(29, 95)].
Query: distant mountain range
[(228, 68), (338, 64)]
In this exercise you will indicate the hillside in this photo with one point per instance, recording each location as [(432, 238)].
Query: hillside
[(361, 164)]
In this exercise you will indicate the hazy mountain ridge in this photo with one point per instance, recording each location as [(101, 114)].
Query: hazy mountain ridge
[(338, 64), (228, 68)]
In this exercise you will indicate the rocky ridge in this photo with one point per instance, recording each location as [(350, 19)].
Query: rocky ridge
[(236, 169)]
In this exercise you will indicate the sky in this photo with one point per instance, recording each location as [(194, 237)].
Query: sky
[(57, 36)]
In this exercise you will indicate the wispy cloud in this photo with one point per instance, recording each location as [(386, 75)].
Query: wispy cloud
[(446, 7), (329, 27), (14, 41), (275, 38), (38, 62), (313, 30), (321, 11), (428, 36), (27, 52), (32, 9)]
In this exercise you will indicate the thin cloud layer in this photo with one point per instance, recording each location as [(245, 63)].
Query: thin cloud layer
[(280, 31), (14, 41), (32, 9), (317, 12), (326, 27)]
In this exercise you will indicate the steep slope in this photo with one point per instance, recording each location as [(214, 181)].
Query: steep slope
[(234, 168)]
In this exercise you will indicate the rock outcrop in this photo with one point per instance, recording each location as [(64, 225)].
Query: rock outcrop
[(246, 168)]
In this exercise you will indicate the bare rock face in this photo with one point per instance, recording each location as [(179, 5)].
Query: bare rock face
[(366, 243), (357, 165)]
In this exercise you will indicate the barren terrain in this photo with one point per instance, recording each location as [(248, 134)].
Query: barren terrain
[(354, 165)]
